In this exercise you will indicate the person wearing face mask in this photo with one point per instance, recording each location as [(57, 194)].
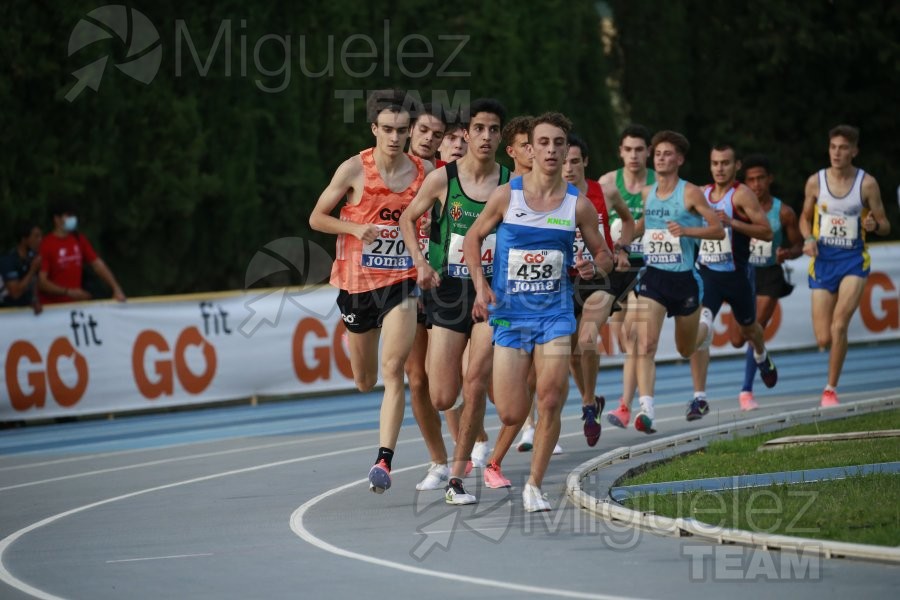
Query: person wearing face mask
[(63, 255)]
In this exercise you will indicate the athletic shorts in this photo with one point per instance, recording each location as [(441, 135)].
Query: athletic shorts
[(525, 334), (734, 287), (770, 282), (827, 274), (623, 282), (582, 289), (365, 311), (679, 291), (450, 305)]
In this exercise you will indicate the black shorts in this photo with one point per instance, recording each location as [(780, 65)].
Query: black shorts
[(582, 289), (770, 281), (450, 305), (735, 287), (678, 291), (366, 310), (623, 282)]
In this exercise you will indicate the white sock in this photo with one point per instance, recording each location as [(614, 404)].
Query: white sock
[(700, 394), (760, 357), (829, 388)]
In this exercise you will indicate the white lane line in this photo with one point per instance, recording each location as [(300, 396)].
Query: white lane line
[(164, 461), (298, 527), (128, 560), (466, 528), (13, 581)]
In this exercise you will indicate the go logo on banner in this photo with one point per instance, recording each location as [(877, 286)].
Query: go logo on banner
[(170, 363), (54, 370), (311, 334)]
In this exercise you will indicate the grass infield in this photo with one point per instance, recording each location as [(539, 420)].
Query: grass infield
[(863, 509)]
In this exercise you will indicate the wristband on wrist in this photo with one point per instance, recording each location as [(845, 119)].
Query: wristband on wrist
[(809, 239)]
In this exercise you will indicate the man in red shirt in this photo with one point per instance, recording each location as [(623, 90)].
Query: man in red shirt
[(63, 255)]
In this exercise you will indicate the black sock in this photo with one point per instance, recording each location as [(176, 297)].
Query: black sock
[(385, 454)]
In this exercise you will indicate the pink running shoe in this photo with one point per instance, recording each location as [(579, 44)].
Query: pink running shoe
[(747, 402), (493, 477), (621, 416), (829, 398)]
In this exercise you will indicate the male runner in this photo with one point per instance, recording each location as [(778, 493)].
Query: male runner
[(530, 301), (767, 258), (461, 188), (374, 273), (673, 220), (725, 269), (842, 203)]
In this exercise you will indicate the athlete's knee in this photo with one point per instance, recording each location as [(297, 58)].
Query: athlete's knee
[(392, 367), (684, 347), (839, 328), (647, 347), (550, 400), (512, 416), (365, 382)]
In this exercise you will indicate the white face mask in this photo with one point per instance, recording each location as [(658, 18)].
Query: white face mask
[(70, 223)]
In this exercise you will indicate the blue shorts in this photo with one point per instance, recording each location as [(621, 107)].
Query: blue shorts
[(734, 287), (679, 291), (524, 334), (827, 274)]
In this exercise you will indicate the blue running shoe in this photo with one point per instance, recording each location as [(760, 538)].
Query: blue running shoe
[(767, 371), (379, 477), (697, 408), (591, 417)]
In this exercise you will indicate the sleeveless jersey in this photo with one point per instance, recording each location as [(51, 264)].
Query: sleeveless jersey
[(726, 254), (635, 204), (360, 267), (662, 250), (763, 254), (534, 250), (447, 232), (594, 193), (837, 224)]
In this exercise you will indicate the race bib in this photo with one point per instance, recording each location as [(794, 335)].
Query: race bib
[(636, 246), (662, 248), (716, 252), (578, 245), (387, 251), (456, 262), (838, 231), (760, 252), (534, 271)]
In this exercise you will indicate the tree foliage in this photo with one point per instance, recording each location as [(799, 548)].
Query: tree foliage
[(179, 182)]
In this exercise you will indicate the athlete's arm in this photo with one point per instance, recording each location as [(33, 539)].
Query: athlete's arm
[(606, 179), (586, 220), (344, 180), (696, 201), (433, 190), (792, 234), (490, 217), (810, 194), (747, 203), (876, 221), (614, 202)]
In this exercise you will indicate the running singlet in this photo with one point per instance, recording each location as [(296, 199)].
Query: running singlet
[(837, 224), (732, 251), (763, 254), (360, 267), (534, 250), (635, 204), (595, 195), (447, 233), (663, 250)]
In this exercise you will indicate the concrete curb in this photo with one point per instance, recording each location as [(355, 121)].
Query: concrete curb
[(625, 459)]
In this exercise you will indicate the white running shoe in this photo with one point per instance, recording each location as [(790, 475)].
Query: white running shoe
[(435, 479), (457, 494), (533, 500), (526, 442), (557, 449), (480, 453)]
